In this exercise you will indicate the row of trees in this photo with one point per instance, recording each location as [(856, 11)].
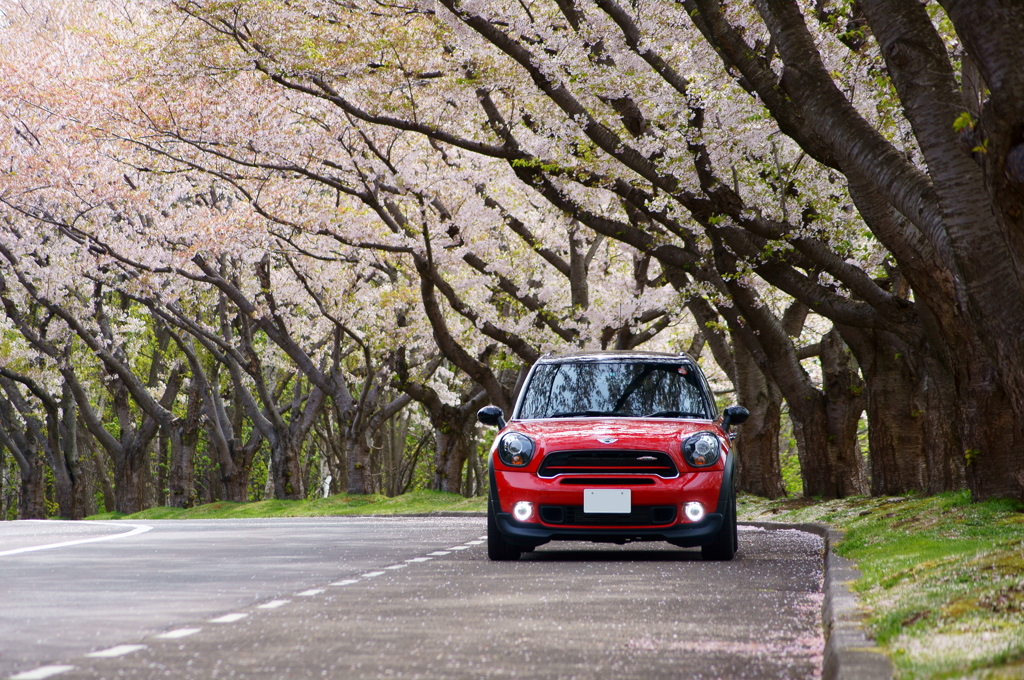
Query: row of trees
[(239, 231)]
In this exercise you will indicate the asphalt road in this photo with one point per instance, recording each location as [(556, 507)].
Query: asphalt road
[(396, 598)]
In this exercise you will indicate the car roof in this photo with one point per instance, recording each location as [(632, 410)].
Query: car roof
[(616, 356)]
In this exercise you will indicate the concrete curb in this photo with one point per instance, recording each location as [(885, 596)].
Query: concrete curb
[(849, 653)]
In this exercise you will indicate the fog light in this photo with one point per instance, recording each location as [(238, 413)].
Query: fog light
[(523, 510), (694, 511)]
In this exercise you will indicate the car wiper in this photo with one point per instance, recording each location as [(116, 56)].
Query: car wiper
[(572, 414), (673, 414)]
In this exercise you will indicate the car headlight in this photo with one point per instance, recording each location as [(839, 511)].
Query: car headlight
[(702, 449), (515, 449)]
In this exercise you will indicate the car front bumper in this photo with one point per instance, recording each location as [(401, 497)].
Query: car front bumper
[(531, 534)]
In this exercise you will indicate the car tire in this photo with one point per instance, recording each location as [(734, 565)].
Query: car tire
[(498, 549), (723, 548)]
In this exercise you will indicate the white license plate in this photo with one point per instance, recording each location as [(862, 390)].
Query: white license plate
[(607, 501)]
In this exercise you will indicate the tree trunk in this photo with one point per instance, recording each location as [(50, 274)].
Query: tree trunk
[(844, 404), (818, 450), (131, 479), (994, 440), (757, 443), (32, 501), (236, 483), (99, 461), (163, 468), (181, 477), (454, 440), (285, 466), (183, 438), (358, 454), (63, 481), (913, 444), (825, 427)]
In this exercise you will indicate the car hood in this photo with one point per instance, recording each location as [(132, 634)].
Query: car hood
[(628, 433)]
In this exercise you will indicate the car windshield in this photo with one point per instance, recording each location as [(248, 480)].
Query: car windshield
[(634, 388)]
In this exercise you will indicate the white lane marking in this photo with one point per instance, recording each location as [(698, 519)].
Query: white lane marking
[(273, 604), (473, 542), (42, 672), (179, 633), (420, 559), (460, 547), (371, 574), (228, 618), (439, 553), (311, 592), (397, 566), (346, 582), (484, 537), (139, 529), (120, 650)]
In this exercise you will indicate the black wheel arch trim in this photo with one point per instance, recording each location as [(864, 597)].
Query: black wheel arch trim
[(726, 490)]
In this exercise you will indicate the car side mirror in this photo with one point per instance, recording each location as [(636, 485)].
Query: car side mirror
[(491, 416), (734, 415)]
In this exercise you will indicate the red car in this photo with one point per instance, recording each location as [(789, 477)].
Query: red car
[(613, 447)]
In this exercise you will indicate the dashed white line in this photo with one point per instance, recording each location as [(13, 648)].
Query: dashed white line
[(113, 652), (178, 633), (139, 529), (42, 672)]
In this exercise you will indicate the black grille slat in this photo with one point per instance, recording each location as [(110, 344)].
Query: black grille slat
[(640, 515), (605, 462), (606, 481)]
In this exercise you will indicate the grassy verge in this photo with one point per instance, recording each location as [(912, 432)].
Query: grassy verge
[(943, 578), (342, 504)]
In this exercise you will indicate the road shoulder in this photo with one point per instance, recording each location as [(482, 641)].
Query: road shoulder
[(849, 653)]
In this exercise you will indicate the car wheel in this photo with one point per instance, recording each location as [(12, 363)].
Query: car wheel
[(498, 549), (723, 548)]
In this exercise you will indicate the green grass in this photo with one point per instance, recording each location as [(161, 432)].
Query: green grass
[(342, 504), (943, 578)]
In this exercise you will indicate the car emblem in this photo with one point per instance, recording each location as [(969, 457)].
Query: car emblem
[(647, 458), (607, 440)]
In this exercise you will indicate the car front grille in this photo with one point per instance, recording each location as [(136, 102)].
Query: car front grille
[(639, 516), (572, 480), (605, 462)]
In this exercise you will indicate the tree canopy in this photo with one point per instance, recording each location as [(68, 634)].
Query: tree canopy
[(244, 234)]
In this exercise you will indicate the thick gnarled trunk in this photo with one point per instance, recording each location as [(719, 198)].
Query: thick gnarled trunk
[(454, 442), (358, 458), (131, 480), (825, 426), (32, 499), (913, 445), (758, 470), (992, 432), (286, 469)]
